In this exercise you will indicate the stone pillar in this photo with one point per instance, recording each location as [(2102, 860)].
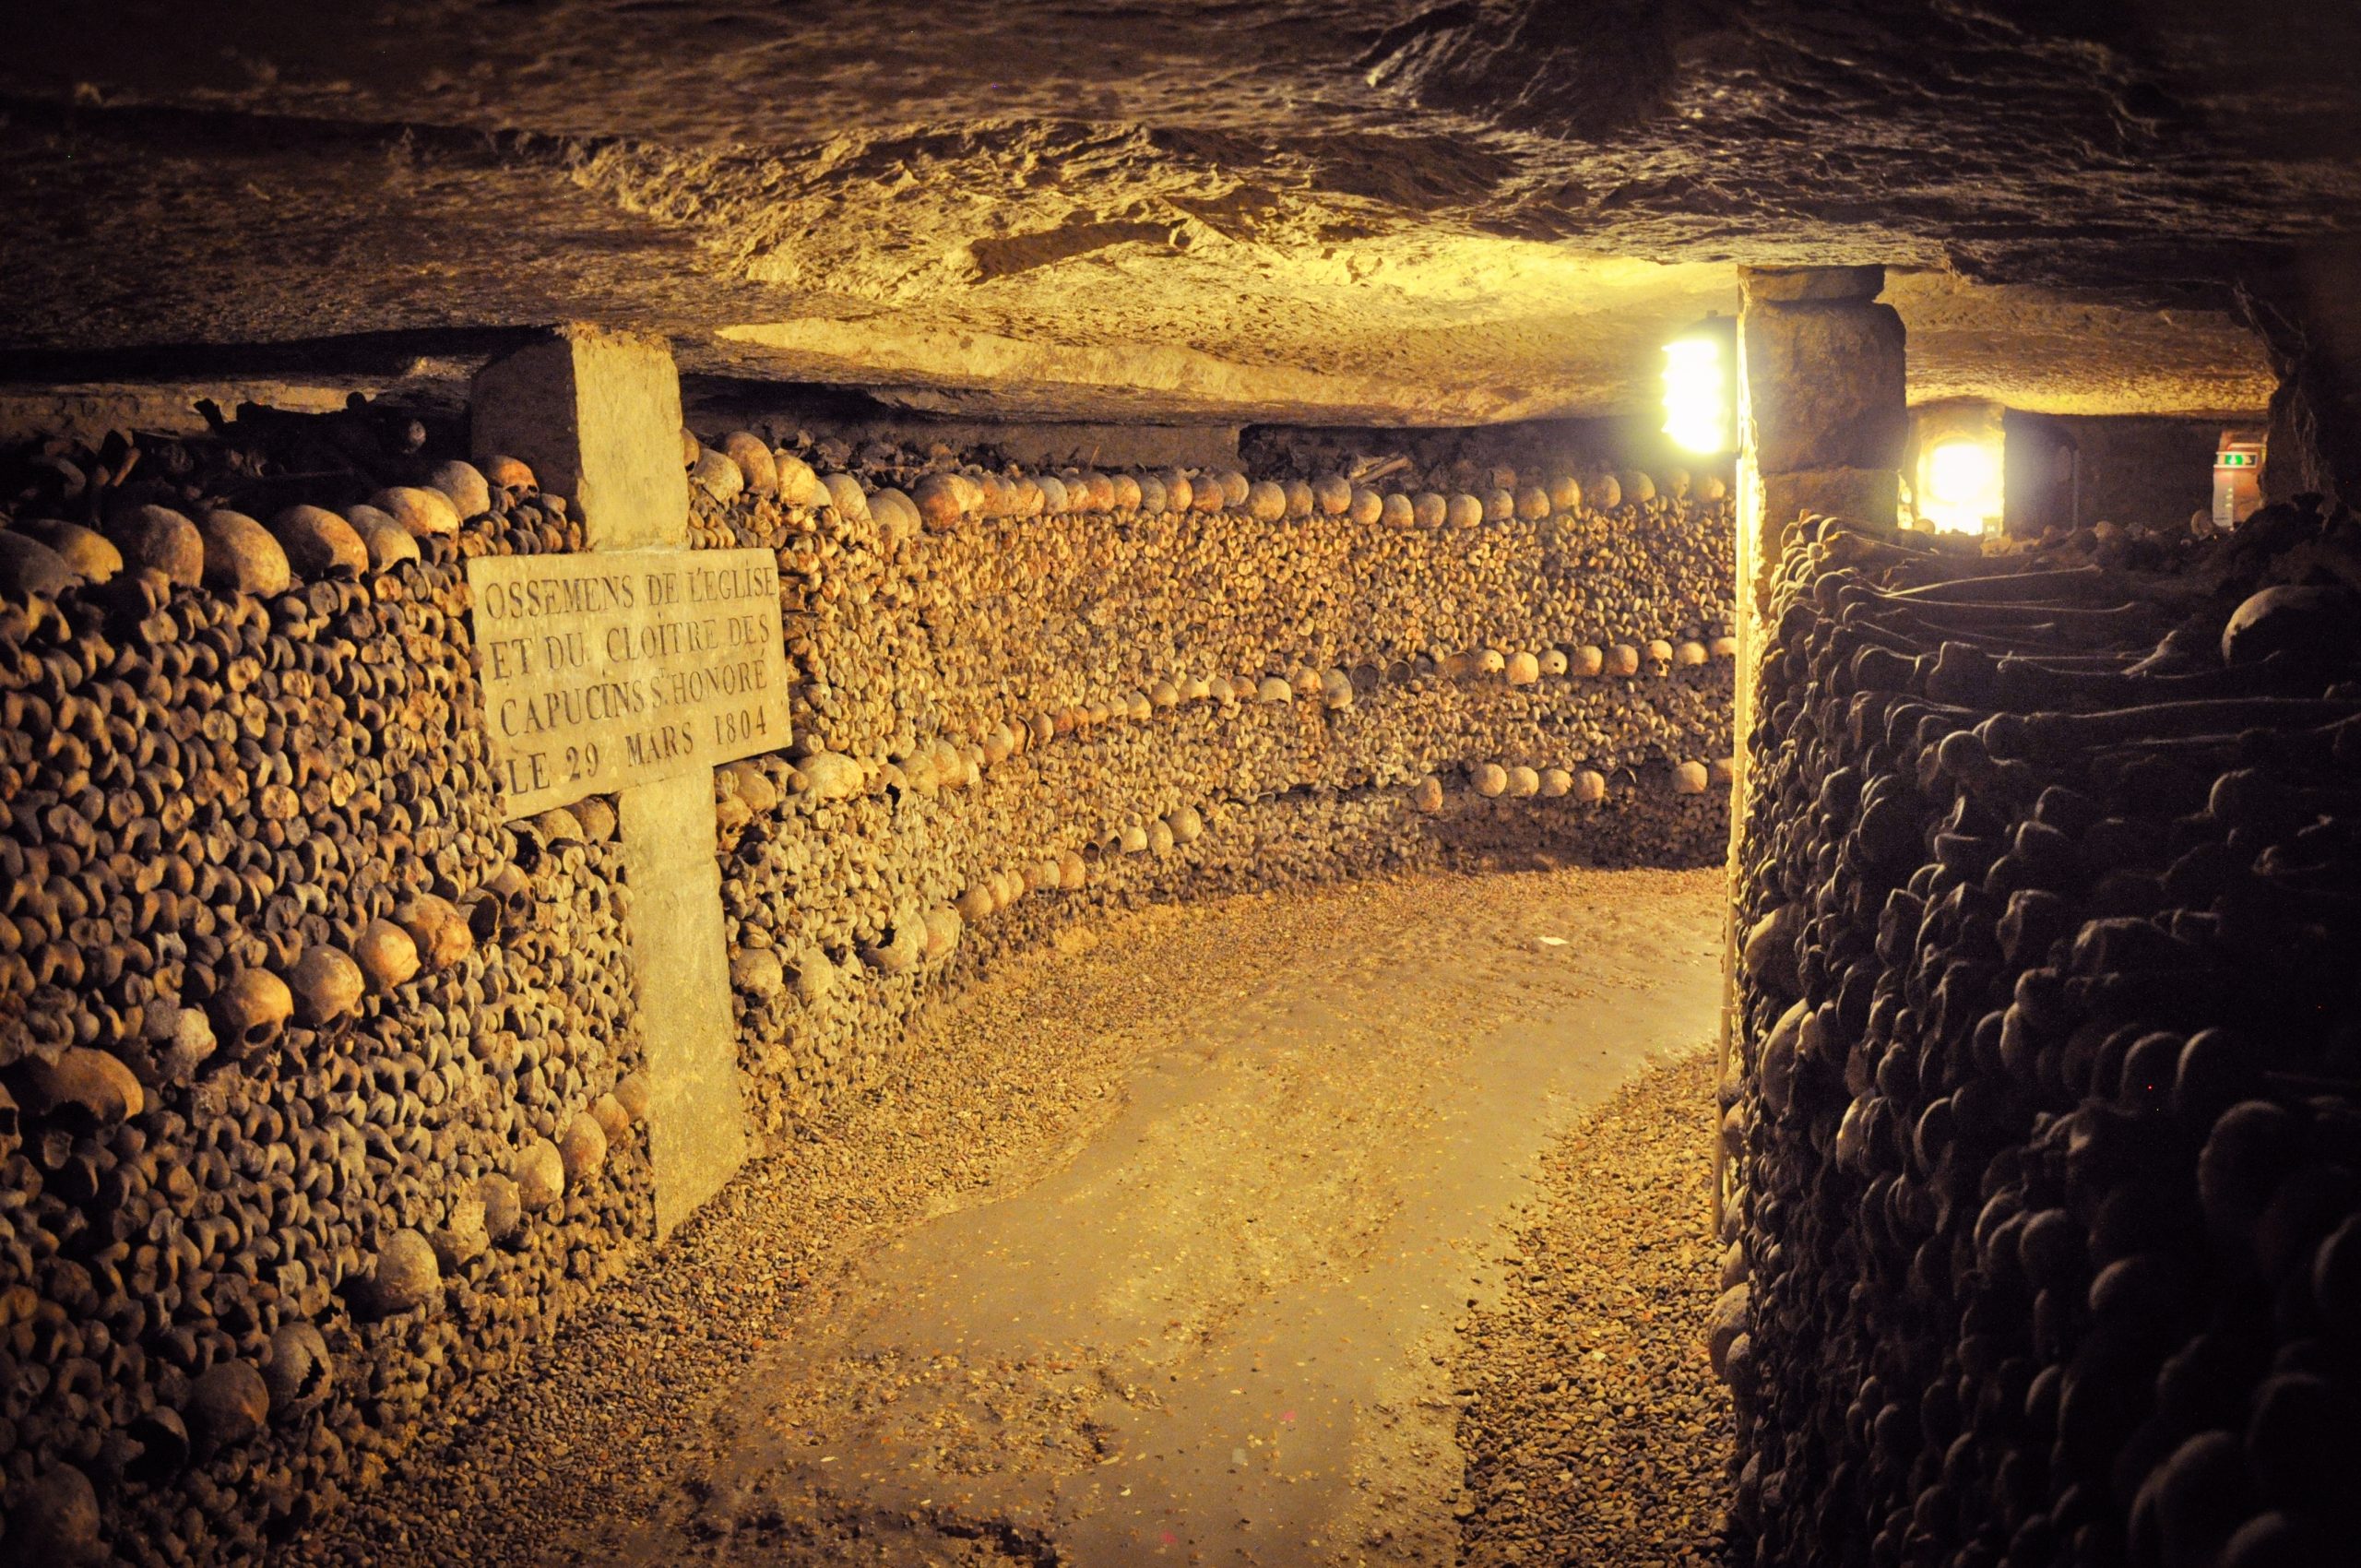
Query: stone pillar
[(696, 1118), (1822, 416), (1823, 410), (597, 415)]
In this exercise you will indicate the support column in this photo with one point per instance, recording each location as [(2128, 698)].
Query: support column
[(1824, 417), (596, 416), (1823, 410)]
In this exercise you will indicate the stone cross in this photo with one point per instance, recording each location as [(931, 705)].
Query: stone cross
[(596, 414)]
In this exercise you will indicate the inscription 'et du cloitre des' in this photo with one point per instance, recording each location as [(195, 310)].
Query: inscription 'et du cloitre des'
[(609, 670)]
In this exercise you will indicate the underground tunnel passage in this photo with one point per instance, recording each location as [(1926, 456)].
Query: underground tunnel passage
[(1491, 784)]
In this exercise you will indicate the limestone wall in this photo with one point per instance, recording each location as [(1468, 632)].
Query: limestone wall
[(2066, 472), (320, 1085)]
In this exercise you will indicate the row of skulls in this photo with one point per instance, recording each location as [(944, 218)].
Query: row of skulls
[(1023, 698), (317, 1080)]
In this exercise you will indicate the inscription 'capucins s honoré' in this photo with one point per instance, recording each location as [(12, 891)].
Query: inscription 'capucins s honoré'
[(598, 673)]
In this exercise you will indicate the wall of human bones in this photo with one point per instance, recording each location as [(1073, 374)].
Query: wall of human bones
[(2045, 1120), (1027, 698), (320, 1082), (320, 1092)]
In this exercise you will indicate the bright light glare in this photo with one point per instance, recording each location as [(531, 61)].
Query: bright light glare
[(1696, 395), (1963, 488)]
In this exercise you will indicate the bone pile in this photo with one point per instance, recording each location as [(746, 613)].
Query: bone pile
[(1023, 697), (2046, 1128), (316, 1090), (319, 1088)]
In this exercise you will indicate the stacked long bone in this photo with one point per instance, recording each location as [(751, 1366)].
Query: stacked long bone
[(310, 1069), (1004, 722), (2047, 1124)]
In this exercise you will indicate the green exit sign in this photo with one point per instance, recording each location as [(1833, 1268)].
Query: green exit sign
[(2233, 460)]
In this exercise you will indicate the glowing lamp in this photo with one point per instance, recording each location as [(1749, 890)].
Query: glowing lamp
[(1698, 384), (1963, 489), (1960, 484)]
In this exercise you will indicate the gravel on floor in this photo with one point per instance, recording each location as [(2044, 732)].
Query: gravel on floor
[(553, 1461), (1594, 1431)]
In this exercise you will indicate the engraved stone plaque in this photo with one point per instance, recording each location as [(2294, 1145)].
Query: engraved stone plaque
[(618, 668)]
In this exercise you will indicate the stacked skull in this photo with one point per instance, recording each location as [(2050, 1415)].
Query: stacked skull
[(283, 1005), (2048, 1213), (1040, 695)]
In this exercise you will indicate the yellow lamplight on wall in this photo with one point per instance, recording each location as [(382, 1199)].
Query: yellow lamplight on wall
[(1960, 472), (1962, 492), (1699, 383)]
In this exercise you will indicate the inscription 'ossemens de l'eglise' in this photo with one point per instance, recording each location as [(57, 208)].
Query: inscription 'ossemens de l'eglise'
[(609, 670)]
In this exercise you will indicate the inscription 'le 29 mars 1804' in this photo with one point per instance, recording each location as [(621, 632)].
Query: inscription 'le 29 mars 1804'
[(612, 668)]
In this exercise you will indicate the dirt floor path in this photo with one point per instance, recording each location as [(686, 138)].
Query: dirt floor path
[(1170, 1246)]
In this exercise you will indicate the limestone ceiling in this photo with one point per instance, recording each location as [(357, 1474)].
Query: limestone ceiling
[(1267, 209)]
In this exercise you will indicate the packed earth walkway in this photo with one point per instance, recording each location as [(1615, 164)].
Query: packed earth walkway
[(1216, 1235)]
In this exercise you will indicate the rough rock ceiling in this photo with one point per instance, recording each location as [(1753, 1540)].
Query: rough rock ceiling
[(1263, 209)]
